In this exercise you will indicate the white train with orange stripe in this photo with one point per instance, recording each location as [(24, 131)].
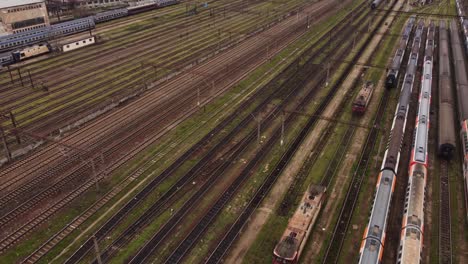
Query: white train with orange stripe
[(412, 228), (373, 242)]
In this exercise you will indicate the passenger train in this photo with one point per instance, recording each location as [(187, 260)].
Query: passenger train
[(20, 42), (392, 75), (412, 228), (372, 246)]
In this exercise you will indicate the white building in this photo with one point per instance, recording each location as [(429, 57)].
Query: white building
[(22, 15)]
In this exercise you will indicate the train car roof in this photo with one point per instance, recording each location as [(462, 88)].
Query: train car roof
[(287, 247), (13, 3), (371, 251)]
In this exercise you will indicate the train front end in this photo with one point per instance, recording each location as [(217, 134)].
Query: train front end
[(286, 251)]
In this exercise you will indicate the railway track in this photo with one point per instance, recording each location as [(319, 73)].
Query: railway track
[(295, 187), (7, 170), (172, 24), (333, 250), (445, 237), (334, 247), (227, 240), (55, 120), (188, 242), (140, 51), (58, 120), (99, 178), (147, 217), (142, 75), (79, 171), (106, 150), (40, 252)]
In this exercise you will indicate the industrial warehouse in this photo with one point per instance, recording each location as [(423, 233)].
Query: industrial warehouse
[(234, 131)]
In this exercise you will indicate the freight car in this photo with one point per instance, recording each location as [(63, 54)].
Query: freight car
[(412, 228), (392, 75), (447, 136), (462, 95), (289, 248), (363, 98), (371, 249)]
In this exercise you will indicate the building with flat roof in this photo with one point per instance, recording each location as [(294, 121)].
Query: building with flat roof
[(22, 15)]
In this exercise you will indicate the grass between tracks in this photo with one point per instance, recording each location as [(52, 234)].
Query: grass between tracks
[(363, 205), (262, 248), (119, 78), (458, 230), (435, 199), (457, 210), (136, 75), (227, 216), (233, 208), (189, 131)]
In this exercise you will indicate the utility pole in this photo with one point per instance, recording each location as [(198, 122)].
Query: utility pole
[(30, 78), (21, 77), (5, 144), (282, 128), (11, 76), (354, 41), (96, 248), (90, 29), (328, 73), (93, 167), (258, 127), (13, 121)]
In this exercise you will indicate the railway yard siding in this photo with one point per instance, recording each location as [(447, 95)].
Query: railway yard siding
[(191, 134)]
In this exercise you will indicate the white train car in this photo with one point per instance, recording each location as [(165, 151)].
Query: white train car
[(412, 227), (79, 44)]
